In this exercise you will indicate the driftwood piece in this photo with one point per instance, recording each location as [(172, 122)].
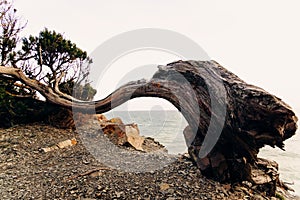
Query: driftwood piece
[(209, 97), (60, 145), (253, 117), (87, 173)]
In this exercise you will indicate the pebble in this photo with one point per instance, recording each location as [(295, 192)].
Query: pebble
[(164, 186), (60, 174)]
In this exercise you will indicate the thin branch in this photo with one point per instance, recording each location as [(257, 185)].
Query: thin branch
[(18, 95), (57, 90), (87, 173)]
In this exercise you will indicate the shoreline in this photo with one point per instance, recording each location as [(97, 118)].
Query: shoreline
[(73, 173)]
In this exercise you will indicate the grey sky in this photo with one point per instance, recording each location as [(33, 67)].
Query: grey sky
[(257, 40)]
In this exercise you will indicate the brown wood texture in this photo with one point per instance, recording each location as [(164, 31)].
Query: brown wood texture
[(201, 90)]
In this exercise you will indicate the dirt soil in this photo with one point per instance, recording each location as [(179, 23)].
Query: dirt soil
[(26, 172)]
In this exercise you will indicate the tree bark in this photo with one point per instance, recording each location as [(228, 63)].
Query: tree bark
[(209, 97)]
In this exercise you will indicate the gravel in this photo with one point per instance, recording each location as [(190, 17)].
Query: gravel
[(74, 172)]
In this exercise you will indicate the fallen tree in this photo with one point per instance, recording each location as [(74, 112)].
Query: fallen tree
[(209, 97)]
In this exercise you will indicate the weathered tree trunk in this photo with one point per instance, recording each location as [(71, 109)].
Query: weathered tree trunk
[(229, 120), (253, 118)]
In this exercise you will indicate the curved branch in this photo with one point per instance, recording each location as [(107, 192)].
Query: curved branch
[(46, 91), (61, 94), (54, 96)]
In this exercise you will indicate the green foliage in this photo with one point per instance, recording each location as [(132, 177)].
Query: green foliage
[(67, 87), (53, 49), (5, 108), (83, 92), (51, 55), (12, 111), (10, 27), (49, 58), (5, 99), (279, 196)]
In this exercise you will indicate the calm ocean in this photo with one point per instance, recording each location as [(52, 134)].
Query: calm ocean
[(167, 127)]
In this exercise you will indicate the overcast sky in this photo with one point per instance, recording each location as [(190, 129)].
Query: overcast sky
[(257, 40)]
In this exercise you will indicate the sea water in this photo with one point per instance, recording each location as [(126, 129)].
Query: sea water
[(167, 128)]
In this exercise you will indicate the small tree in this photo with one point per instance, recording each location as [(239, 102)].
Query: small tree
[(57, 62), (11, 26), (53, 61)]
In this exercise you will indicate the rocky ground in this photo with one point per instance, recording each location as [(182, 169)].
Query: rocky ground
[(26, 172)]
